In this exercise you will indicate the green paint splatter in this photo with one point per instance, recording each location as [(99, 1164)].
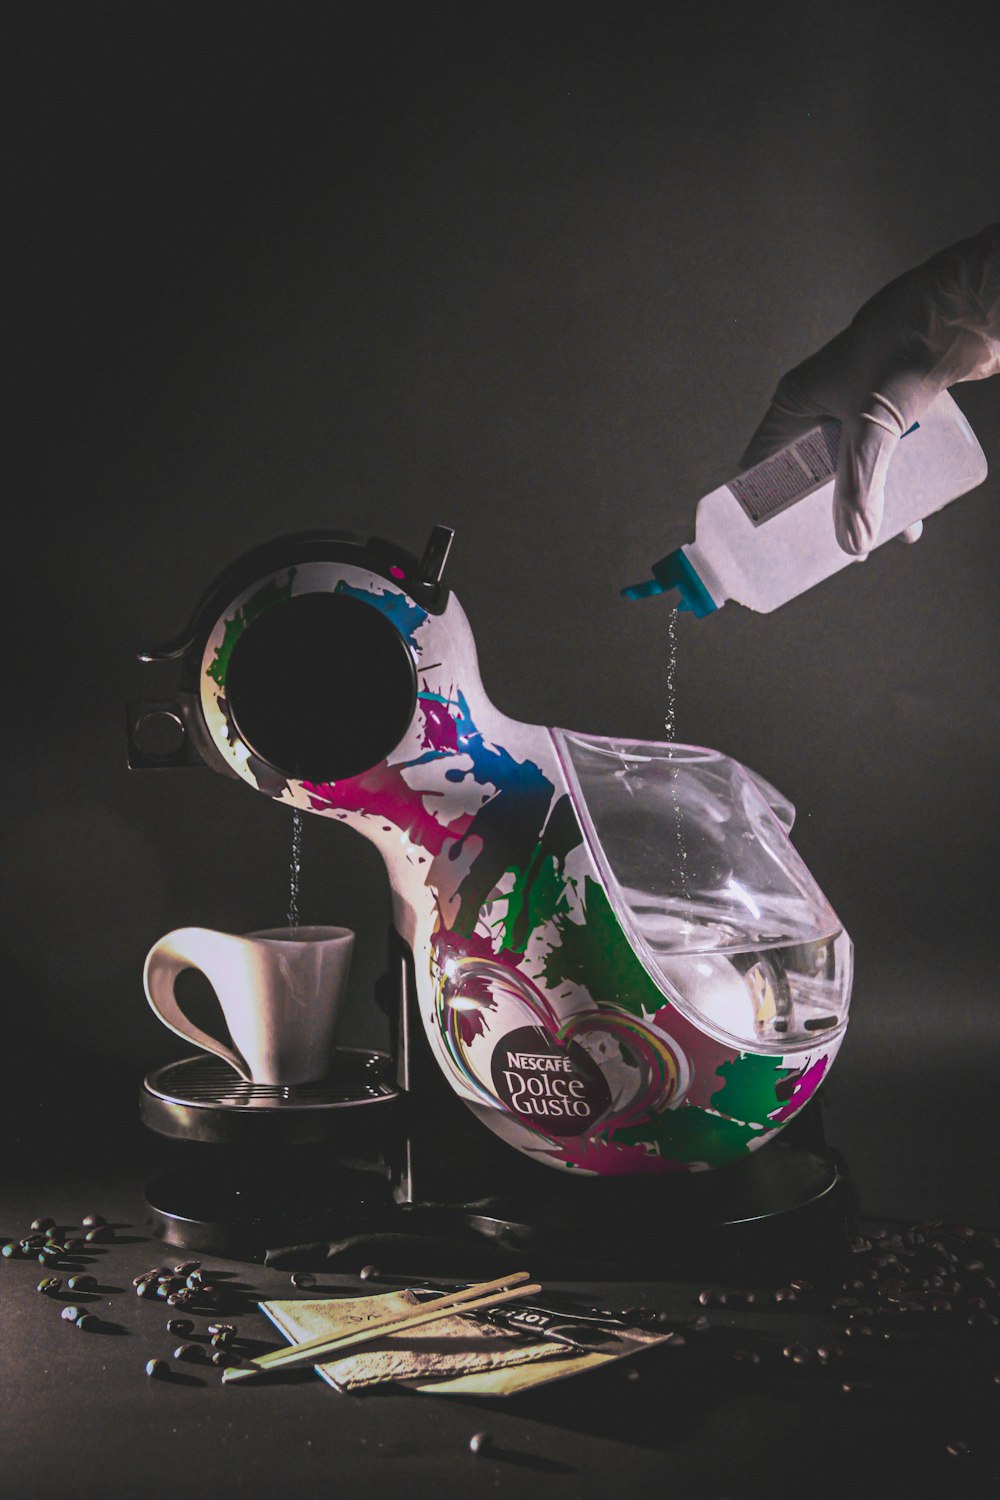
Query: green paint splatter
[(539, 892), (270, 594), (747, 1091), (596, 955), (690, 1134), (534, 900)]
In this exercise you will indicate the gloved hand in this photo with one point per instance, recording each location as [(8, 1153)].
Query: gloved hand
[(927, 330)]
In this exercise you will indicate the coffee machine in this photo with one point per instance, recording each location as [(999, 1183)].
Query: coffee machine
[(612, 985)]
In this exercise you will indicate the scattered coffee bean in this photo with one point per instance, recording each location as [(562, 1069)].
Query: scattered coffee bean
[(302, 1278), (707, 1297), (12, 1251), (368, 1273), (700, 1324), (50, 1284), (82, 1283), (187, 1267), (957, 1450), (46, 1258), (195, 1281), (70, 1314), (224, 1358), (222, 1340), (157, 1369), (73, 1245), (94, 1221), (785, 1294), (99, 1235), (189, 1352), (846, 1387), (230, 1328), (796, 1352), (180, 1325), (43, 1223), (87, 1322), (801, 1286), (480, 1442)]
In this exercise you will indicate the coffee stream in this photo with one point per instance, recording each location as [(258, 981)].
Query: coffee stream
[(294, 868)]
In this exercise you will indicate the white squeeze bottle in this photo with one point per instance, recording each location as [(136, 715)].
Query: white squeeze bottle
[(767, 535)]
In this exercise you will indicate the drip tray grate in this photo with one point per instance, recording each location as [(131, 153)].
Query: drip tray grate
[(201, 1098)]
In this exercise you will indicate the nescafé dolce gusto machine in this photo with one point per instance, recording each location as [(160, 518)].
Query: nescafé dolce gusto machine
[(612, 982)]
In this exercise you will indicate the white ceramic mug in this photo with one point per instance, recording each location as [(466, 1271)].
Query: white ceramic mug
[(280, 992)]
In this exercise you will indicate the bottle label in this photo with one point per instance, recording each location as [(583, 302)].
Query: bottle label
[(789, 476)]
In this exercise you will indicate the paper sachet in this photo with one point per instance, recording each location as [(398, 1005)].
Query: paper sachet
[(452, 1356), (451, 1346)]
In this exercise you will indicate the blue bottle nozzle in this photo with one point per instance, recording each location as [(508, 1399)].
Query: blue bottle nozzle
[(675, 571)]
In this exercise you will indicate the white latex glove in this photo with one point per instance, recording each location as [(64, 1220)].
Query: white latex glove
[(927, 330)]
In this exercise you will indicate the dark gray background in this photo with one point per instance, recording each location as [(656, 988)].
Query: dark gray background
[(532, 271)]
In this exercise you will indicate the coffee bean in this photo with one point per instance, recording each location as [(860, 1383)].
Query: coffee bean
[(94, 1221), (157, 1369), (224, 1358), (87, 1322), (846, 1387), (707, 1297), (302, 1278), (180, 1325), (73, 1245), (12, 1251), (70, 1314), (746, 1356), (50, 1284), (99, 1235), (785, 1294), (43, 1223), (368, 1273), (221, 1340), (801, 1286), (797, 1353), (480, 1442), (32, 1242), (189, 1352), (700, 1324), (82, 1283), (195, 1281), (230, 1328), (186, 1267), (957, 1450)]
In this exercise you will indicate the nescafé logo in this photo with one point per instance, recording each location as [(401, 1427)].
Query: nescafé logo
[(556, 1089)]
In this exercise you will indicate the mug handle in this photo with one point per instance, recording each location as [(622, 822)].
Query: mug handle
[(185, 948)]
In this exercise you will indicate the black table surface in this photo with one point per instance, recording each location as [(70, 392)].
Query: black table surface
[(912, 1405)]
